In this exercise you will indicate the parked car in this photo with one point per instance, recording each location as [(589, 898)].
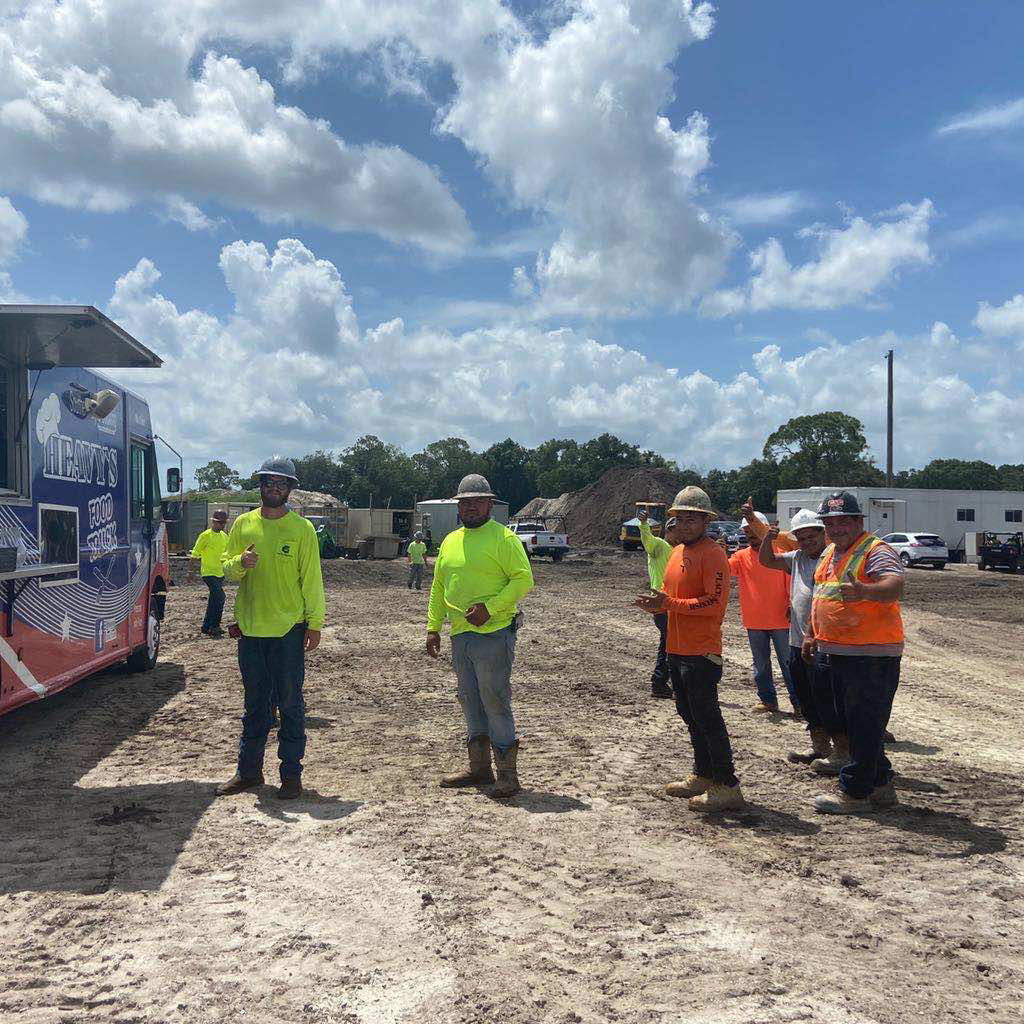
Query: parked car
[(919, 549), (1001, 551), (725, 528)]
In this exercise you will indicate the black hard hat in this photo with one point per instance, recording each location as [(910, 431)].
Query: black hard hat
[(839, 503)]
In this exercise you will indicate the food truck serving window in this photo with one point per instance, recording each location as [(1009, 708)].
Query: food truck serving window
[(13, 432)]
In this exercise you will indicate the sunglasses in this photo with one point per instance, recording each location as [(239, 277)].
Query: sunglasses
[(276, 483)]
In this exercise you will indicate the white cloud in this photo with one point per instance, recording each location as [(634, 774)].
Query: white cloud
[(764, 208), (99, 108), (13, 229), (1005, 321), (291, 369), (188, 215), (986, 119), (851, 264)]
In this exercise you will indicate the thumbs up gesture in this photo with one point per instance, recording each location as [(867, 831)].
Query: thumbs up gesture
[(852, 589), (250, 556)]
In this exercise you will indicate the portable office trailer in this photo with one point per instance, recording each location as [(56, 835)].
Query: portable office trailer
[(83, 572), (196, 515), (951, 514), (443, 517)]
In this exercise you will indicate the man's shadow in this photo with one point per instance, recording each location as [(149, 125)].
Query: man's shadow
[(311, 804)]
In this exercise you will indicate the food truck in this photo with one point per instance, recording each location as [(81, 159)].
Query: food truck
[(83, 547)]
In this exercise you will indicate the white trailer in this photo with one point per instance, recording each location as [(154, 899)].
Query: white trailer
[(440, 516), (951, 514)]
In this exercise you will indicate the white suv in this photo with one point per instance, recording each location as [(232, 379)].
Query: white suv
[(919, 549)]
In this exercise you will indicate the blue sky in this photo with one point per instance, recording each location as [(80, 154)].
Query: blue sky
[(680, 224)]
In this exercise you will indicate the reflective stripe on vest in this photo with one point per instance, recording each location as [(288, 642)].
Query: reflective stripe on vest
[(854, 623)]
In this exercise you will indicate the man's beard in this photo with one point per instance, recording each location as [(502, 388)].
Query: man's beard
[(473, 521), (274, 499)]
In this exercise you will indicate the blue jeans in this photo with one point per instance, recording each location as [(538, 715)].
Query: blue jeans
[(273, 667), (483, 665), (867, 686), (416, 575), (214, 603), (761, 643), (819, 703)]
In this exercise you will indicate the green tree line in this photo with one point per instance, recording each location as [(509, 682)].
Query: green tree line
[(820, 449)]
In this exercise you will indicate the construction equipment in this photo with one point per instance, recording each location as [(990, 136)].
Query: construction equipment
[(629, 534), (1001, 551)]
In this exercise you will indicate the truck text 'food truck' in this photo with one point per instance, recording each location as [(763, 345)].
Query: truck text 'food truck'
[(83, 548)]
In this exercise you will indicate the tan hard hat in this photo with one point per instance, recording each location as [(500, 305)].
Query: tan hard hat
[(693, 499), (474, 486)]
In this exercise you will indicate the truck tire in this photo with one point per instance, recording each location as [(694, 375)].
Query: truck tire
[(556, 556), (981, 565), (940, 565), (144, 659)]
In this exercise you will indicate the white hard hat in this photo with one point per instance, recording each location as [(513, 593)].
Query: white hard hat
[(806, 519), (761, 518)]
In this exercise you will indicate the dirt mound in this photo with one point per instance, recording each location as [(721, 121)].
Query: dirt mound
[(594, 514)]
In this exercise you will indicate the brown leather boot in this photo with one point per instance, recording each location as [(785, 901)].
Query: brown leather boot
[(821, 747), (479, 772), (237, 783), (837, 760), (693, 785), (508, 778), (718, 797)]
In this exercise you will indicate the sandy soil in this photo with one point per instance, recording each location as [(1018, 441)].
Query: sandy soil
[(128, 893)]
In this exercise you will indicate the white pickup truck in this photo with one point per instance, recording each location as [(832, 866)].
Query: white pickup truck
[(539, 540)]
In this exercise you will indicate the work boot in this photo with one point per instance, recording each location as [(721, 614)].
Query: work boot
[(508, 779), (479, 772), (765, 708), (661, 690), (290, 788), (888, 738), (717, 797), (840, 803), (821, 747), (237, 783), (884, 796), (692, 786), (837, 760)]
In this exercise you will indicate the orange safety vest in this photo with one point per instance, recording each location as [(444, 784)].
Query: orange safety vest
[(854, 623)]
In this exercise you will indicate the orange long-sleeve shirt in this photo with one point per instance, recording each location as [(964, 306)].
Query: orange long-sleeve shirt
[(697, 586)]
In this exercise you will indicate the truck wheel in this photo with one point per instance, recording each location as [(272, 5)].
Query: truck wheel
[(940, 565), (144, 659), (981, 566), (556, 556)]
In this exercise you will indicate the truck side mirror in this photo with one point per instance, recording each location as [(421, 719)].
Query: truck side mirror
[(170, 511), (173, 480)]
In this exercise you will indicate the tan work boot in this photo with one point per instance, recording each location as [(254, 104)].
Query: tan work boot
[(837, 760), (479, 772), (840, 803), (508, 778), (821, 747), (718, 797), (884, 796), (694, 785), (762, 708)]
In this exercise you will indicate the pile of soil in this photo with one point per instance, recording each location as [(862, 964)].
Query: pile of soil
[(299, 499), (594, 514)]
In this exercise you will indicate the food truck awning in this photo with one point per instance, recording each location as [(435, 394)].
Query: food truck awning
[(45, 336)]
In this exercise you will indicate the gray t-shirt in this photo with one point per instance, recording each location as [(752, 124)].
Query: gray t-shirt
[(801, 590)]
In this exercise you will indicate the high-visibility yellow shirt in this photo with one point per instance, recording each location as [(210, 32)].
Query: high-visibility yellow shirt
[(286, 586), (488, 564), (658, 552), (209, 548), (417, 549)]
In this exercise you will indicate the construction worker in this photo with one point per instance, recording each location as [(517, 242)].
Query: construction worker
[(811, 680), (279, 611), (209, 548), (764, 608), (416, 557), (658, 551), (480, 574), (856, 623), (695, 593)]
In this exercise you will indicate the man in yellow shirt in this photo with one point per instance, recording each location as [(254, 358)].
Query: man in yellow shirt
[(279, 612), (416, 555), (208, 548), (480, 574), (658, 552)]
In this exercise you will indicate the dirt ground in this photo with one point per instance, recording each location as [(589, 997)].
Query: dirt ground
[(128, 893)]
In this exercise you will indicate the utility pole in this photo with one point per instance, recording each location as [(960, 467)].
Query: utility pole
[(888, 443)]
